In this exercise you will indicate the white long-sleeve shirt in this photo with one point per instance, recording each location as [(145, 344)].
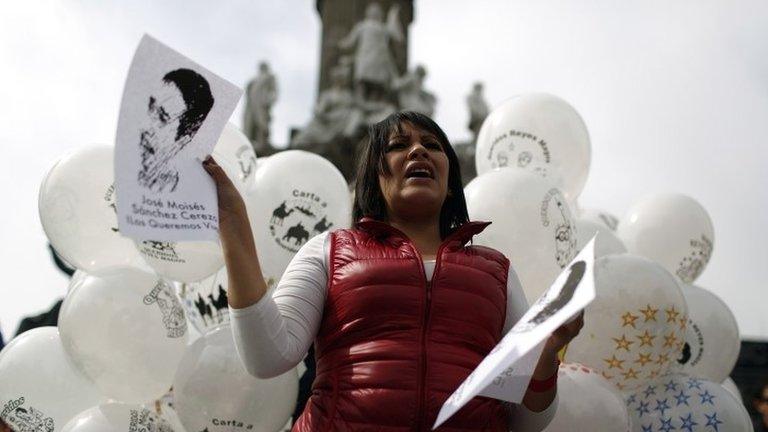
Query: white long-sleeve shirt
[(274, 334)]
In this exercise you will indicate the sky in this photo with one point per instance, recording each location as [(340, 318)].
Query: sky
[(675, 96)]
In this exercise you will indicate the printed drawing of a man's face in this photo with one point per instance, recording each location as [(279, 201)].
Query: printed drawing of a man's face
[(176, 108), (550, 306)]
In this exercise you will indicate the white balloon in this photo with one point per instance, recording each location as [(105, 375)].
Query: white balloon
[(164, 408), (712, 341), (731, 386), (213, 391), (119, 417), (41, 388), (607, 243), (587, 402), (635, 328), (671, 229), (540, 133), (602, 217), (678, 402), (234, 153), (182, 261), (126, 330), (78, 213), (206, 301), (297, 195), (532, 224)]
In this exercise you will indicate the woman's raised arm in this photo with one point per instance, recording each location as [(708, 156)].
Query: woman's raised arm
[(246, 282)]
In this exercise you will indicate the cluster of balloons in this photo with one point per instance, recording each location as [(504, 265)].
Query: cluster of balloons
[(650, 334), (652, 355), (123, 340)]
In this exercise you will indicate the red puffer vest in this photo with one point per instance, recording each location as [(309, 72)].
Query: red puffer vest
[(392, 346)]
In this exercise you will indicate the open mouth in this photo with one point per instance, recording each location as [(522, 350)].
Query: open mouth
[(419, 171)]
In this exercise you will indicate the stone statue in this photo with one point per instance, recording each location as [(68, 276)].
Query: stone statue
[(337, 120), (260, 95), (411, 95), (374, 66), (478, 109)]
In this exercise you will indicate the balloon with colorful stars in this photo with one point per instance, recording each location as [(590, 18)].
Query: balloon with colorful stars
[(678, 402), (635, 328), (587, 402)]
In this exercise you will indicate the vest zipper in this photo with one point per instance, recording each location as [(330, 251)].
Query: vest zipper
[(421, 413)]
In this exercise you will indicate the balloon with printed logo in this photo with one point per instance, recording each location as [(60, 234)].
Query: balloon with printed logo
[(41, 388), (296, 196), (532, 224), (213, 391), (587, 402), (540, 133), (205, 302), (712, 341), (607, 243), (119, 417), (671, 229), (188, 261), (678, 402), (234, 153), (602, 217), (163, 407), (78, 213), (635, 328), (126, 330)]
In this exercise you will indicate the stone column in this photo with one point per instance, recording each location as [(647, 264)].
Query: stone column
[(339, 16)]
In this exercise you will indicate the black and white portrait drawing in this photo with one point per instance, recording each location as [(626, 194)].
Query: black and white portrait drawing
[(176, 109), (172, 114), (549, 306)]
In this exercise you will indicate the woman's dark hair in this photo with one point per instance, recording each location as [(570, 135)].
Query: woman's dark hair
[(369, 201)]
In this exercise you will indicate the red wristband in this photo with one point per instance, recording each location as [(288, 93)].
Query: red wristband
[(540, 386)]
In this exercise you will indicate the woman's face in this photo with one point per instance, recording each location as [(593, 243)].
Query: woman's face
[(418, 181)]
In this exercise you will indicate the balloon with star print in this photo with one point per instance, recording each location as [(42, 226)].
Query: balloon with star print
[(678, 402), (635, 327), (587, 402)]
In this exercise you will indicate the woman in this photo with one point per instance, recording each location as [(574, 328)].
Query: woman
[(400, 309)]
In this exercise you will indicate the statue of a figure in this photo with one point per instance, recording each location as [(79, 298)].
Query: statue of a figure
[(411, 95), (261, 94), (337, 120), (374, 66), (478, 109), (335, 115)]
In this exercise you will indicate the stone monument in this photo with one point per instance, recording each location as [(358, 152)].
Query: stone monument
[(340, 17), (260, 95), (478, 109), (411, 95)]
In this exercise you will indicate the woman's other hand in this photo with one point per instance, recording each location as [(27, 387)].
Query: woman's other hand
[(565, 334)]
